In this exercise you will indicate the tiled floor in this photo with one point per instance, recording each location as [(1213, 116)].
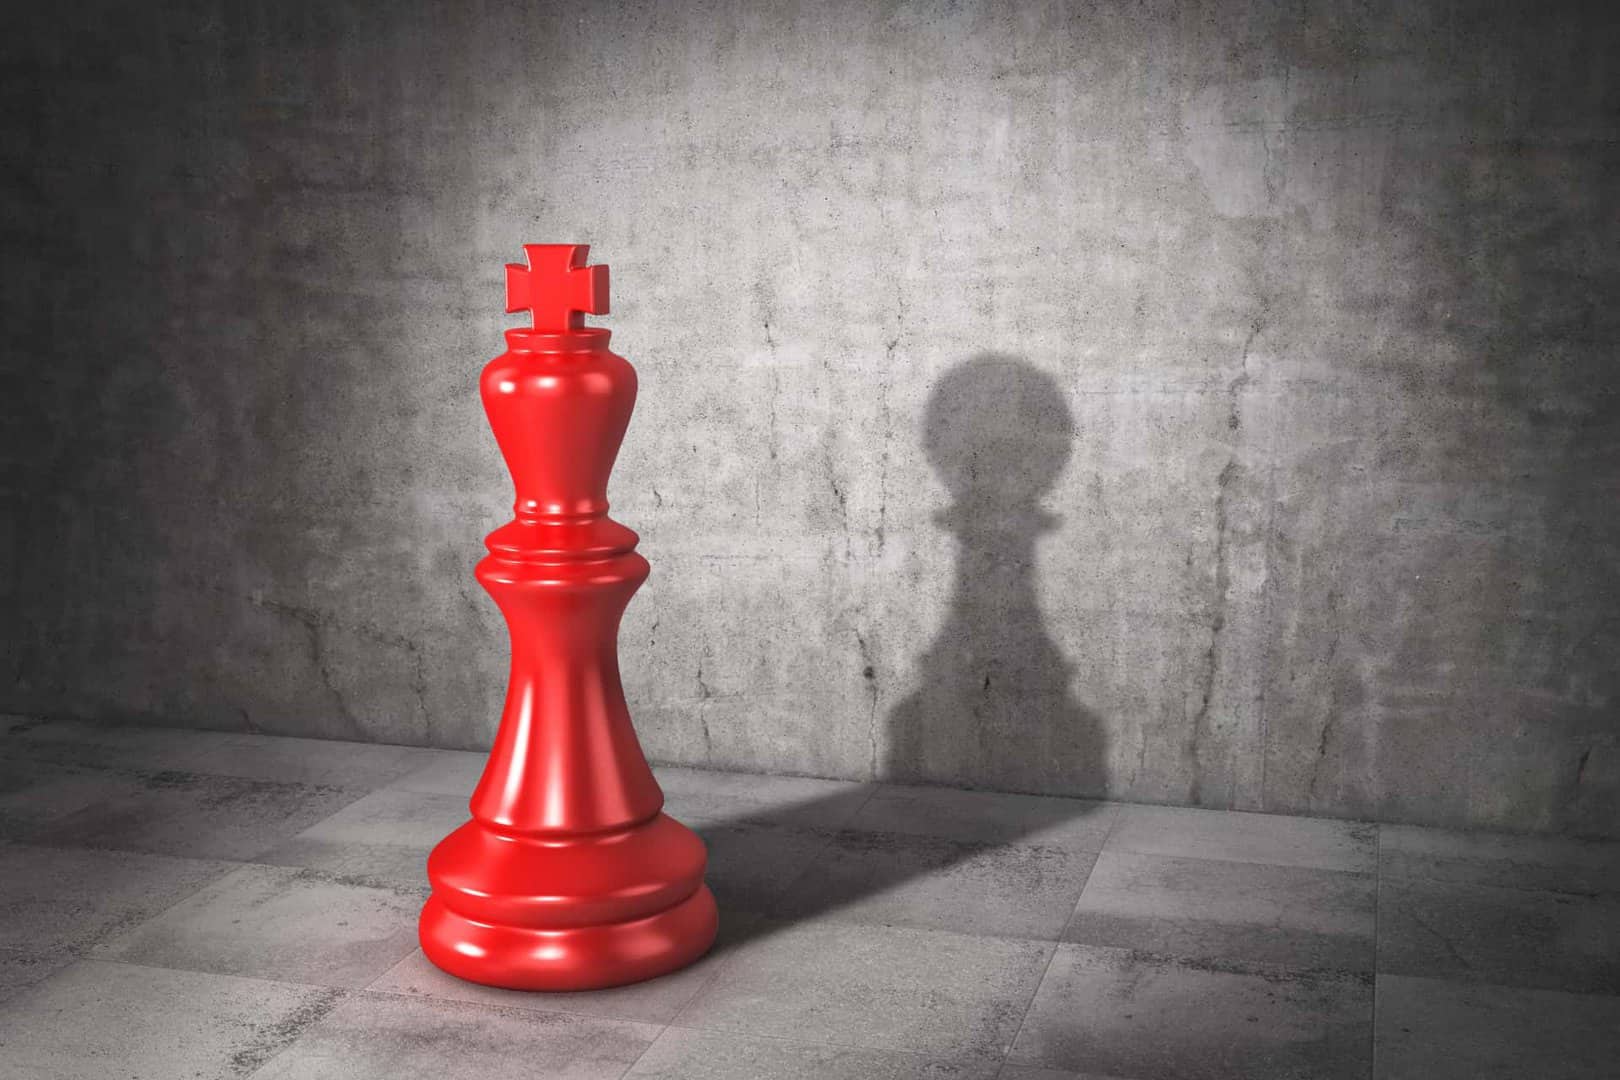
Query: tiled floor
[(192, 904)]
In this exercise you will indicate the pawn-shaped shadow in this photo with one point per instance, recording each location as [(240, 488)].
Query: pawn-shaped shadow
[(993, 706)]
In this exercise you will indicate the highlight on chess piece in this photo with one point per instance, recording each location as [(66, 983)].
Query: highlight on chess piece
[(569, 875)]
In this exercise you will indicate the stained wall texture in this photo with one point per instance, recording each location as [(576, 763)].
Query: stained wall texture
[(1204, 403)]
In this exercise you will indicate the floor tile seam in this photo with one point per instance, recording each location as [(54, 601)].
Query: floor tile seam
[(1608, 898), (336, 998), (1267, 931), (1368, 873), (40, 846), (515, 1012), (628, 1069), (139, 731), (127, 769), (1498, 984), (341, 991), (1378, 889), (371, 989), (1074, 910), (921, 1055), (722, 965), (1613, 995), (109, 936), (1051, 957), (1233, 965), (829, 839), (96, 845), (977, 847), (1029, 1007), (871, 787), (778, 924), (788, 921)]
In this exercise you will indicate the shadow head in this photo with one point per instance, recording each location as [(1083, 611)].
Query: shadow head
[(998, 432)]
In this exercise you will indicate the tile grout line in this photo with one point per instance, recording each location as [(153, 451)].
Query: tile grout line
[(833, 834), (1046, 970), (763, 1036), (723, 964), (1378, 889)]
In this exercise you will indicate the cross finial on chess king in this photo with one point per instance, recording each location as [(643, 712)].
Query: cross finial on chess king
[(557, 286)]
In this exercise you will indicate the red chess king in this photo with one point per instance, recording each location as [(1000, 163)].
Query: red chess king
[(568, 876)]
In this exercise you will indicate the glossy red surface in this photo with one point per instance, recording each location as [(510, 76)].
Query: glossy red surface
[(568, 876)]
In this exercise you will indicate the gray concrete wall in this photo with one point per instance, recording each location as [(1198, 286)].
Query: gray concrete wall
[(1195, 403)]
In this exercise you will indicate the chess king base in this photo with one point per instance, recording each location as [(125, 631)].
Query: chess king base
[(635, 907)]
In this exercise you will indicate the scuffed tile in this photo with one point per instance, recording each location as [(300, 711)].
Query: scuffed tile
[(1030, 1072), (447, 772), (1116, 1012), (947, 996), (1013, 891), (1208, 909), (279, 923), (654, 1001), (725, 798), (22, 968), (385, 1037), (64, 899), (750, 866), (988, 817), (384, 837), (276, 758), (1440, 1030), (1515, 937), (1242, 837), (190, 814), (35, 794), (682, 1054), (138, 1023), (1557, 864)]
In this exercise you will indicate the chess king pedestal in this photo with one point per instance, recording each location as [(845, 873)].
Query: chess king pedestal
[(568, 876)]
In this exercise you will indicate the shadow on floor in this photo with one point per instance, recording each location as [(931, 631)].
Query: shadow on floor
[(992, 706)]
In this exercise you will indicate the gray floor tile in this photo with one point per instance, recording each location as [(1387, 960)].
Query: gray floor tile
[(34, 794), (655, 1001), (99, 1021), (1116, 1012), (1207, 909), (1035, 1072), (195, 815), (447, 772), (1238, 837), (1559, 864), (1014, 891), (703, 795), (60, 900), (1515, 937), (750, 866), (683, 1054), (1429, 1029), (279, 923), (385, 1037), (988, 817), (948, 996), (384, 837), (319, 762), (22, 968)]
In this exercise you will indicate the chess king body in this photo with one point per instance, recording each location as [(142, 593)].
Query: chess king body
[(569, 875)]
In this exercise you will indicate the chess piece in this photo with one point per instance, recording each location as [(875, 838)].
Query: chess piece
[(568, 876)]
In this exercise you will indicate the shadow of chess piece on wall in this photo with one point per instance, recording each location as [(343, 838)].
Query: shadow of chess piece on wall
[(993, 706)]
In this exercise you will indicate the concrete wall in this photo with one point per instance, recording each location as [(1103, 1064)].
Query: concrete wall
[(1196, 403)]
